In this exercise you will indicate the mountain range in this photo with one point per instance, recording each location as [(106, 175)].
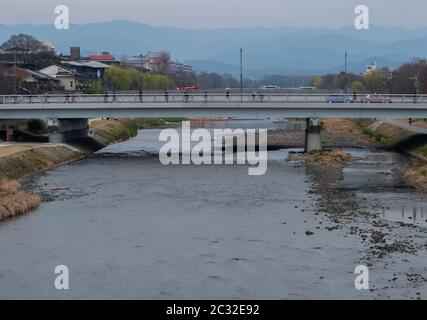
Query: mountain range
[(281, 50)]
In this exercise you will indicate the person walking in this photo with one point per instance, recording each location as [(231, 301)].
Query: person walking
[(205, 96), (114, 97), (140, 96), (166, 96), (186, 96), (106, 97), (227, 96), (254, 96)]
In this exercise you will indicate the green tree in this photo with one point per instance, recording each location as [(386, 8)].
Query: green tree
[(157, 82), (95, 87), (118, 78), (137, 79), (356, 85), (377, 81), (318, 82)]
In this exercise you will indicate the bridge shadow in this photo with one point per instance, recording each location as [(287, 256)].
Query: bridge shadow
[(410, 143)]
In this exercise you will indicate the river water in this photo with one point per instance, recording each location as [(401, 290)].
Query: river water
[(127, 226)]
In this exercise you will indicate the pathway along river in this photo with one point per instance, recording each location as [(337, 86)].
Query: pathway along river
[(128, 227)]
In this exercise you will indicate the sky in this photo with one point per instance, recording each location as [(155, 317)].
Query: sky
[(220, 13)]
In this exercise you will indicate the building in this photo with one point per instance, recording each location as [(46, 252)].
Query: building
[(136, 62), (75, 53), (105, 57), (370, 67), (68, 79), (179, 67), (36, 82), (87, 70)]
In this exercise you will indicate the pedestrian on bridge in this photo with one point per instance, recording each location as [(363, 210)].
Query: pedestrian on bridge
[(205, 95), (67, 98), (105, 97), (140, 96), (166, 96), (254, 96), (186, 97), (261, 97), (73, 97), (114, 97), (46, 98), (227, 96)]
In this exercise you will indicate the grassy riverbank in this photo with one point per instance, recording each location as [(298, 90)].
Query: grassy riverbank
[(110, 131), (13, 201), (21, 162)]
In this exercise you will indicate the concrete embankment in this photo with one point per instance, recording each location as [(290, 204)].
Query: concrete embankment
[(20, 160), (400, 136)]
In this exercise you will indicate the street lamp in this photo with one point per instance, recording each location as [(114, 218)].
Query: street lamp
[(241, 74), (345, 73)]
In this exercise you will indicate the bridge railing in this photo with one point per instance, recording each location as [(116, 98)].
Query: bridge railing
[(209, 98)]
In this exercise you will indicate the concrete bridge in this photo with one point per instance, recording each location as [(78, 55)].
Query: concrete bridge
[(68, 113)]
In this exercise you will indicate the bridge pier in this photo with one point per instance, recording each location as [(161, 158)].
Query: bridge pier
[(313, 137), (66, 130), (9, 134)]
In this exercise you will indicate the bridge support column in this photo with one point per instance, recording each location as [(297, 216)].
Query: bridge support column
[(313, 137), (9, 134), (65, 130)]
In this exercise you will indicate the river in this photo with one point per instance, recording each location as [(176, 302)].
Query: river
[(128, 227)]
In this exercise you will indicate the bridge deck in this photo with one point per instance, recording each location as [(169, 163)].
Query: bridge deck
[(129, 106)]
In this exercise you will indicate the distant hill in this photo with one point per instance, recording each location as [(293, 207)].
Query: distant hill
[(286, 50)]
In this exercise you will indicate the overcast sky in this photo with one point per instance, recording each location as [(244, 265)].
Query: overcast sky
[(220, 13)]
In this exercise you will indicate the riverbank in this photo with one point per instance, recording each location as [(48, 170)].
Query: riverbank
[(20, 161), (402, 140)]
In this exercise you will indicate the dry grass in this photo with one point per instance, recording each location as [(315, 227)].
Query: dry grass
[(35, 160), (341, 126), (12, 149), (109, 131), (331, 157), (417, 175), (14, 202)]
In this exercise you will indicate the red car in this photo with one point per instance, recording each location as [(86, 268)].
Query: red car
[(375, 99)]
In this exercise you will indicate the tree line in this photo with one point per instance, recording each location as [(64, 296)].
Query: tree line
[(409, 78)]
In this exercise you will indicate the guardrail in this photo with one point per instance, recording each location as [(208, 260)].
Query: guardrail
[(209, 98)]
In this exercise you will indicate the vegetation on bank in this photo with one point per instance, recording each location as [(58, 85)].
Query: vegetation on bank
[(35, 160), (13, 201), (335, 157), (110, 131), (386, 134), (390, 136)]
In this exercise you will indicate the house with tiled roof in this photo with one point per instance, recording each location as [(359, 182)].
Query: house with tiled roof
[(67, 78)]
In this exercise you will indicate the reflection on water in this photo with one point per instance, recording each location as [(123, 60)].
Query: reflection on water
[(407, 214)]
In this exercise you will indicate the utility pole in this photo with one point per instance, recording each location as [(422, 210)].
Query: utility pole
[(241, 74), (345, 73), (14, 71)]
